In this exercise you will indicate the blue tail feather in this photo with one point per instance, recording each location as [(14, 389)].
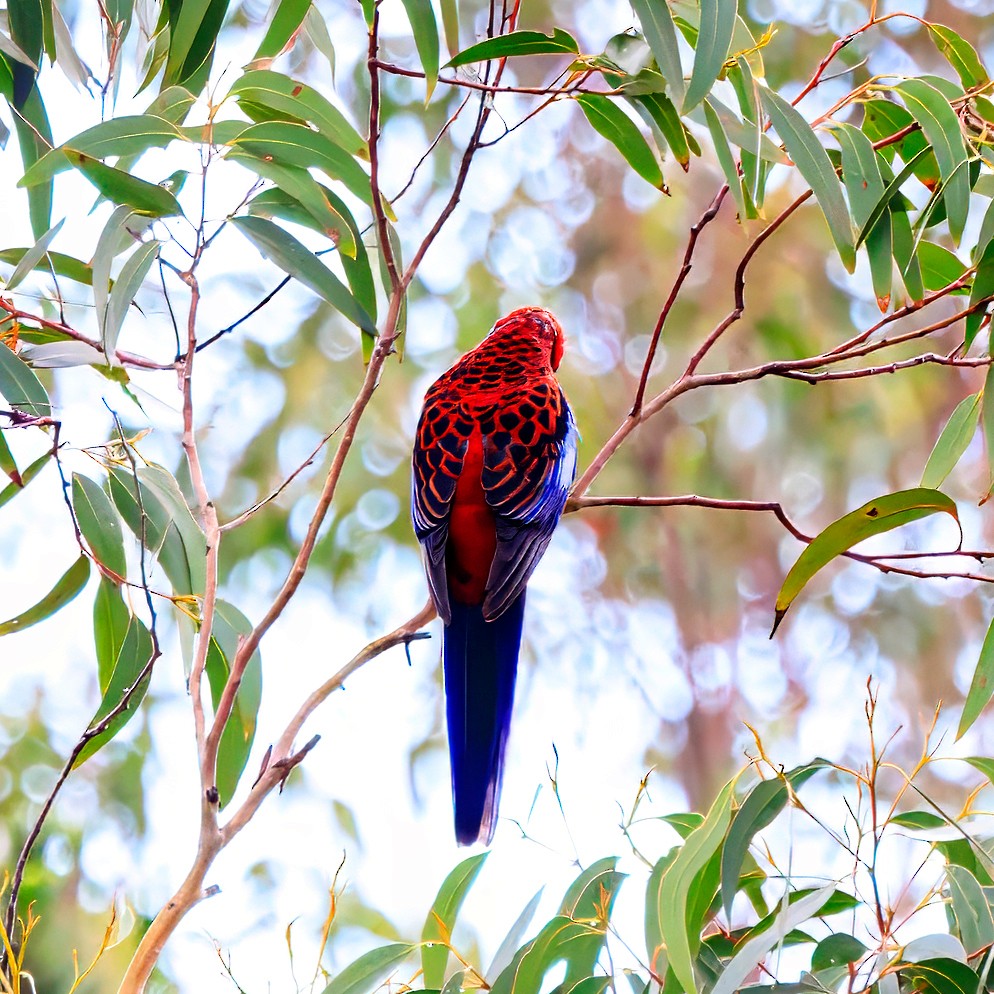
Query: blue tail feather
[(480, 659)]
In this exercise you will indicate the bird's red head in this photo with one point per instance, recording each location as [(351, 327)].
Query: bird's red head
[(540, 324)]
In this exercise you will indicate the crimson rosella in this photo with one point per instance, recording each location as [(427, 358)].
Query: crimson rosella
[(494, 457)]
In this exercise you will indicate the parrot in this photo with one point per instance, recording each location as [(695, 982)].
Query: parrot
[(494, 457)]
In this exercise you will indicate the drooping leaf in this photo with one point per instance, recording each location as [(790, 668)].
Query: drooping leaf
[(956, 435), (761, 806), (450, 25), (111, 621), (33, 256), (367, 972), (442, 918), (612, 123), (13, 489), (283, 24), (590, 898), (971, 908), (983, 287), (726, 160), (20, 387), (873, 518), (714, 37), (939, 267), (122, 188), (839, 949), (135, 653), (63, 265), (660, 33), (517, 43), (962, 56), (981, 686), (425, 30), (553, 944), (663, 114), (194, 26), (814, 165), (294, 259), (99, 522), (941, 127), (127, 285), (68, 586), (505, 952), (942, 975), (8, 465)]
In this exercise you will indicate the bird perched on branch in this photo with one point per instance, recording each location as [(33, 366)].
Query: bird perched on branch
[(494, 457)]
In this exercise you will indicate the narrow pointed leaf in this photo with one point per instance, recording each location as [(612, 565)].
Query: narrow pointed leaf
[(122, 188), (294, 259), (368, 971), (8, 464), (33, 256), (981, 686), (13, 489), (726, 160), (99, 522), (983, 287), (63, 265), (442, 919), (873, 518), (941, 127), (450, 25), (713, 40), (518, 43), (956, 435), (612, 123), (814, 165), (663, 113), (987, 420), (69, 585), (111, 620), (940, 267), (127, 285), (425, 31), (961, 55), (942, 975), (20, 387), (660, 34), (505, 953), (971, 908), (282, 26)]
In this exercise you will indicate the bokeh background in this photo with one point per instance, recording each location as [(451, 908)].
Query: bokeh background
[(647, 629)]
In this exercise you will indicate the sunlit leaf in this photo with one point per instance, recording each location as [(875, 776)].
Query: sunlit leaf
[(442, 918), (981, 686), (757, 811), (518, 43), (660, 33), (33, 256), (956, 435), (983, 287), (450, 25), (368, 971), (127, 285), (726, 160), (814, 165), (873, 518), (63, 265), (135, 653), (661, 111), (20, 387), (838, 949), (122, 188), (971, 908), (506, 950), (68, 586), (612, 123), (8, 465), (962, 56), (590, 898), (554, 943), (111, 620), (14, 488), (425, 30), (939, 267), (941, 976), (193, 33), (717, 22), (99, 522), (282, 26), (293, 258)]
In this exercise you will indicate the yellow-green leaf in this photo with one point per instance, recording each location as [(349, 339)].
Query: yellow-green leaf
[(68, 586)]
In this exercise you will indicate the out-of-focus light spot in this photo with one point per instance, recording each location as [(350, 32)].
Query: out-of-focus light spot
[(903, 25), (376, 509), (853, 589), (57, 855), (295, 446), (760, 677), (431, 326), (337, 339), (528, 250), (747, 422), (845, 16), (802, 493), (635, 352), (639, 195), (381, 456)]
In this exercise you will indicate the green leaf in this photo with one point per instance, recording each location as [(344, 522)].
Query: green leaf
[(590, 898), (941, 128), (506, 950), (450, 25), (814, 165), (983, 287), (34, 136), (442, 918), (129, 135), (425, 31), (873, 518), (971, 908), (754, 951), (69, 585), (713, 40), (297, 102), (761, 806), (368, 971), (987, 420), (939, 267), (14, 488), (674, 892), (33, 256), (282, 25), (315, 201), (919, 820), (193, 33), (517, 43), (230, 627), (663, 114), (961, 55), (122, 188), (20, 387), (727, 161), (956, 435), (111, 620), (298, 145), (838, 949), (293, 258), (100, 524), (612, 123), (554, 943), (981, 686), (942, 975), (136, 651), (660, 33), (127, 285), (7, 463), (63, 265)]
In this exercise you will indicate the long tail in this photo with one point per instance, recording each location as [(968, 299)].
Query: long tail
[(480, 659)]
